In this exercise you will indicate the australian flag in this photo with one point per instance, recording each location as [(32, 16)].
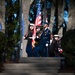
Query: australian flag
[(37, 20)]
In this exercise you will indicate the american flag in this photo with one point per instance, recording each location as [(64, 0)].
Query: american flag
[(37, 21)]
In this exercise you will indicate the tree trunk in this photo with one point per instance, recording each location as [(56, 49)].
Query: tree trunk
[(71, 22), (2, 15)]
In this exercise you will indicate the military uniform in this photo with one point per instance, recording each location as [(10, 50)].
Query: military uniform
[(37, 45), (36, 50), (45, 37), (28, 36), (52, 48), (29, 44)]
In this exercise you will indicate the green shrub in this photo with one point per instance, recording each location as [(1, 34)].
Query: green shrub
[(2, 42), (2, 46), (68, 45)]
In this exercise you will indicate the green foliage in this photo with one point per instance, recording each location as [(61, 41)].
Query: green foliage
[(12, 25), (68, 45), (2, 41)]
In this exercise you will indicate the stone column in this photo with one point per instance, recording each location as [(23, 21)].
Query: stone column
[(61, 6), (52, 15), (25, 9), (71, 22)]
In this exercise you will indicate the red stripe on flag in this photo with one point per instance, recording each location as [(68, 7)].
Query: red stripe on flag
[(38, 20), (37, 23)]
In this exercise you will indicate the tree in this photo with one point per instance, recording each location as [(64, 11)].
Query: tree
[(12, 25), (68, 42), (2, 47)]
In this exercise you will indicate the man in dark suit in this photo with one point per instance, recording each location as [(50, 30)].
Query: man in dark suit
[(45, 37)]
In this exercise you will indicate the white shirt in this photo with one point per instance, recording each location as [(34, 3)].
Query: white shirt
[(51, 41)]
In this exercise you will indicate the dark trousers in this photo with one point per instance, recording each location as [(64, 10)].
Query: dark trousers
[(36, 51), (43, 51), (29, 51), (32, 52)]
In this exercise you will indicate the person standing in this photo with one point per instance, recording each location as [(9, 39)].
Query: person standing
[(28, 36), (37, 42), (45, 39), (52, 47), (59, 51)]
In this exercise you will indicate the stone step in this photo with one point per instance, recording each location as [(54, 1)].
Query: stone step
[(37, 74), (34, 65), (31, 71), (30, 68), (41, 60), (22, 66)]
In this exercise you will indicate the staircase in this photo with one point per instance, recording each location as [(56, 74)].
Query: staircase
[(34, 66)]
